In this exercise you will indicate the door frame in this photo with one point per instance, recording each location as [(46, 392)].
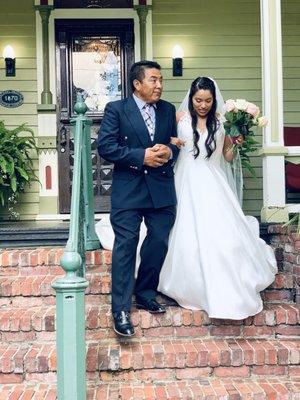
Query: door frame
[(66, 29), (49, 130)]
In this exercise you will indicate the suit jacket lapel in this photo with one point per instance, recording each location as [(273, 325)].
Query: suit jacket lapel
[(137, 122)]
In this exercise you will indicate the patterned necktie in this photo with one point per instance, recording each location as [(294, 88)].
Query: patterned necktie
[(148, 120)]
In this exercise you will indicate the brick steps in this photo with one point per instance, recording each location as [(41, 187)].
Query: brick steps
[(180, 355), (28, 284), (275, 320), (100, 275), (30, 272), (227, 357), (49, 256), (41, 391), (204, 389), (32, 323)]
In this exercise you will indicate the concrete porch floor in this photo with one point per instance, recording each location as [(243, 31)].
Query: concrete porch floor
[(16, 234)]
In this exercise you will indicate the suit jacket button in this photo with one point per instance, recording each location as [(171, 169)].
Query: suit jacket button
[(145, 171)]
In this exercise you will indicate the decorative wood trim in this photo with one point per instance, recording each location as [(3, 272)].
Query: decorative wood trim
[(48, 174)]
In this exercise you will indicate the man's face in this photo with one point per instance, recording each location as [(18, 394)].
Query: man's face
[(150, 88)]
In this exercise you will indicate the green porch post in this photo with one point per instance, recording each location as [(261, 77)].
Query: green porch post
[(142, 11), (70, 310), (70, 325), (45, 11)]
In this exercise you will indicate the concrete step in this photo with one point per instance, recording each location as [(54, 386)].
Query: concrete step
[(18, 324), (130, 360), (274, 388)]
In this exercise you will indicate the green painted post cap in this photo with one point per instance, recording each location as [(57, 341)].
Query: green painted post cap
[(80, 107)]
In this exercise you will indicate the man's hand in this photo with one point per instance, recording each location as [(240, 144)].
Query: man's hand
[(157, 155), (164, 150)]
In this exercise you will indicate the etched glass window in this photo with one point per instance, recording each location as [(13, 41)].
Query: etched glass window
[(96, 69), (93, 3)]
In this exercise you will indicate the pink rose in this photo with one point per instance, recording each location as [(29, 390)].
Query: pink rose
[(230, 105), (262, 121), (252, 109)]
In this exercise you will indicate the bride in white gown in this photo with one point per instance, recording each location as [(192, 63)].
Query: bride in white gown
[(216, 261)]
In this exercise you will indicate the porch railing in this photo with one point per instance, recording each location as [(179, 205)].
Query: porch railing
[(70, 305)]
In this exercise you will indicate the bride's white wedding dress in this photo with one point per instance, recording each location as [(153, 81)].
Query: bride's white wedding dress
[(216, 261)]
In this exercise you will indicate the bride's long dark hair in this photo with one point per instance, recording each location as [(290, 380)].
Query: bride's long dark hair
[(212, 123)]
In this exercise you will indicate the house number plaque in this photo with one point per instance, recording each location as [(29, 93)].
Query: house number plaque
[(11, 99)]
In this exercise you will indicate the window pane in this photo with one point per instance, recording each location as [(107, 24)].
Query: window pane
[(93, 3), (96, 70)]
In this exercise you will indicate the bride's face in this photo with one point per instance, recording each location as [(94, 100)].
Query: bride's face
[(202, 102)]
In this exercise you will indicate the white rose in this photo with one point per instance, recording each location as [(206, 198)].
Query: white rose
[(241, 104), (230, 105), (262, 121)]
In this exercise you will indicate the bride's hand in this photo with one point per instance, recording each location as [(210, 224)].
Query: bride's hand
[(239, 140), (177, 142)]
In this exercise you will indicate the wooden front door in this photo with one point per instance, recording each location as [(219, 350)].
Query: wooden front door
[(93, 58)]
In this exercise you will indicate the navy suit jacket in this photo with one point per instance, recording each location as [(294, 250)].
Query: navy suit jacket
[(122, 140)]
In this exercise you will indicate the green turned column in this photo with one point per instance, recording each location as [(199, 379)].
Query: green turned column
[(142, 12), (45, 12)]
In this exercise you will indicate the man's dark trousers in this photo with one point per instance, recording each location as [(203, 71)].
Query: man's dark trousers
[(126, 226)]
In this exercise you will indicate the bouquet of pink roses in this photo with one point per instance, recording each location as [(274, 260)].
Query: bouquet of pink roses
[(240, 117)]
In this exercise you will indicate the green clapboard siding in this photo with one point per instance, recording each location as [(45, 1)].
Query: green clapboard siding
[(291, 61), (220, 39), (17, 21)]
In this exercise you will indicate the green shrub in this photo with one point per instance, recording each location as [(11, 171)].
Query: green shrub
[(16, 166)]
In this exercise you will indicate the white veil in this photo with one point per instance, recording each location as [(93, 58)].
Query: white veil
[(233, 171)]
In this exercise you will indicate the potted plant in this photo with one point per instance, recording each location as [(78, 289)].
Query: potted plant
[(16, 166)]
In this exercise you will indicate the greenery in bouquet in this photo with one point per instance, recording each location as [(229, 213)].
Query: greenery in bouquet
[(16, 166), (240, 117)]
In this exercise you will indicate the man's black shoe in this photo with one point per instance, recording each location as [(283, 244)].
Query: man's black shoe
[(150, 305), (122, 324)]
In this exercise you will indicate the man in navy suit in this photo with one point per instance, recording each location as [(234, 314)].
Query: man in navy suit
[(135, 135)]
